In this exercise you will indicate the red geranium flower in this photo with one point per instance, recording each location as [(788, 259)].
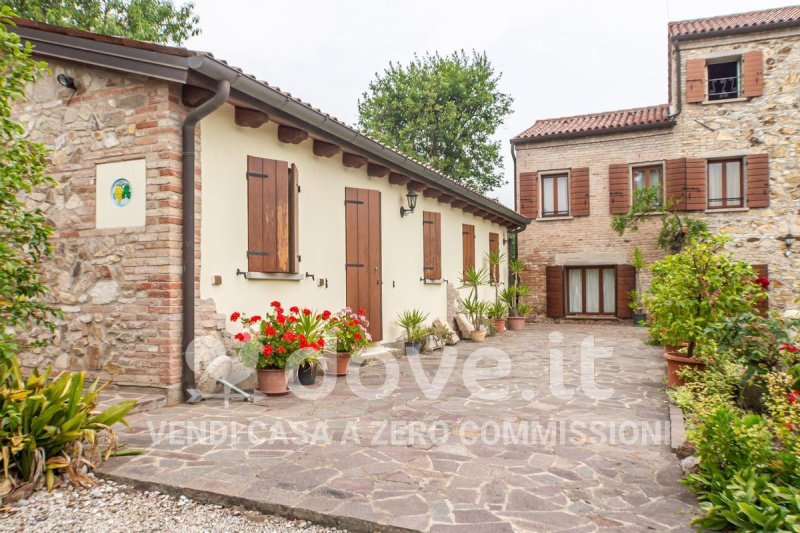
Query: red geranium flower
[(276, 303), (267, 350), (321, 343), (235, 316), (280, 319), (358, 336), (794, 396), (789, 348), (764, 282), (255, 319), (326, 315), (270, 330), (306, 312), (362, 311), (790, 426), (292, 319), (288, 336), (239, 337), (294, 309), (280, 349)]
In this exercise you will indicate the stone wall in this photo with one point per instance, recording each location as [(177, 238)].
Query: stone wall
[(768, 123), (119, 289)]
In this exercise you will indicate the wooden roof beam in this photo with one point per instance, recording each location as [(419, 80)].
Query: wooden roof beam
[(352, 160), (377, 171), (290, 135), (193, 96), (249, 118), (325, 149), (416, 186), (397, 179), (445, 198), (431, 193)]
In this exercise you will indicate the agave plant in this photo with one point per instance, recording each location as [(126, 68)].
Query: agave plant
[(411, 321), (49, 426)]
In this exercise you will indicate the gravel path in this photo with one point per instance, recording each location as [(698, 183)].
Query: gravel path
[(113, 507)]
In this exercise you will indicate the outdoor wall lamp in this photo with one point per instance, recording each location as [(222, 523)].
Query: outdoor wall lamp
[(67, 81), (411, 198), (789, 240)]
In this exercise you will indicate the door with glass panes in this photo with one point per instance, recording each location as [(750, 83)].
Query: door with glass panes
[(591, 290)]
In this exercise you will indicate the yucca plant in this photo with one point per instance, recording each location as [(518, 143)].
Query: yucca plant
[(49, 426), (411, 321), (472, 279)]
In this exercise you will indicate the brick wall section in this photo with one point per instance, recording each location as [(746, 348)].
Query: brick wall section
[(767, 124), (119, 289)]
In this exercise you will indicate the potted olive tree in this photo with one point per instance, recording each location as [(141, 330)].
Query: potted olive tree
[(692, 291), (411, 321)]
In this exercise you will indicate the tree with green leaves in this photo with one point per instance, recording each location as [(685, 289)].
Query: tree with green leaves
[(676, 230), (443, 110), (158, 21), (24, 232)]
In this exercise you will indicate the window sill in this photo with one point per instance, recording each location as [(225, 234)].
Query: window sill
[(591, 317), (258, 276), (727, 210), (548, 219), (433, 281), (725, 101)]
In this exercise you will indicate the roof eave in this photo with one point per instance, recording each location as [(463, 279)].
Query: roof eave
[(591, 133), (736, 31)]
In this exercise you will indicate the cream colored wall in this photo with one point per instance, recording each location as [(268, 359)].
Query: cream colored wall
[(224, 151)]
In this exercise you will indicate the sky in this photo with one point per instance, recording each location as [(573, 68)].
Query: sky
[(557, 58)]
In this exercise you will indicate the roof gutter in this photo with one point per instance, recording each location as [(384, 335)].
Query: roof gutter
[(592, 133), (222, 93), (320, 124)]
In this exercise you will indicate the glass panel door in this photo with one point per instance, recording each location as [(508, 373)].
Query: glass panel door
[(609, 291), (575, 290), (592, 290)]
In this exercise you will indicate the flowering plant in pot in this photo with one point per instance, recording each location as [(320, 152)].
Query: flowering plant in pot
[(691, 292), (268, 342), (411, 321), (349, 330), (497, 311)]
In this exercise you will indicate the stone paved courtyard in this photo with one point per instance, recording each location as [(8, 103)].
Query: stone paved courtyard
[(340, 460)]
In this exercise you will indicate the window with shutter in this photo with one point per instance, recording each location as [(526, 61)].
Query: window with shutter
[(725, 182), (555, 195), (432, 245), (695, 80), (494, 249), (271, 216), (757, 170), (618, 188), (686, 184), (753, 75), (468, 246), (528, 194), (579, 192), (626, 282)]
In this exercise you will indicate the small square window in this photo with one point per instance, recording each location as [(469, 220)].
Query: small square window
[(723, 80), (555, 195)]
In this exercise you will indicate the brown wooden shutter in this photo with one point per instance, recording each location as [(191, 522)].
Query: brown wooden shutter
[(294, 219), (762, 271), (468, 245), (695, 80), (528, 194), (271, 209), (579, 192), (676, 182), (753, 73), (626, 282), (494, 248), (757, 175), (555, 291), (432, 245), (619, 186), (696, 184)]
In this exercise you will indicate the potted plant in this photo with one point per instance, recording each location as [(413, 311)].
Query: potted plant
[(636, 296), (411, 321), (476, 310), (349, 330), (513, 295), (693, 291), (268, 343), (497, 311), (494, 259)]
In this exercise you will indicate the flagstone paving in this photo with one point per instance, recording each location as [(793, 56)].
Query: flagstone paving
[(340, 461)]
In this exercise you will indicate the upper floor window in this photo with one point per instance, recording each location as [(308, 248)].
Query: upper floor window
[(725, 183), (647, 176), (723, 79), (555, 195)]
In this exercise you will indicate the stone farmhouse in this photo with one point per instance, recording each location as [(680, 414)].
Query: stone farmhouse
[(724, 147), (189, 189)]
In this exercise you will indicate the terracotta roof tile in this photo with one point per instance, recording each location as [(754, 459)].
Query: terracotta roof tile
[(750, 19), (598, 122)]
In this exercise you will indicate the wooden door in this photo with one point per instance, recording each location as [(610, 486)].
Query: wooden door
[(363, 255)]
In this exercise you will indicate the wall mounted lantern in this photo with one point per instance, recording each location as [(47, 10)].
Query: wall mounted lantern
[(67, 81), (411, 198), (789, 241)]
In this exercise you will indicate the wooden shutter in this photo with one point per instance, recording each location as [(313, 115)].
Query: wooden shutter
[(695, 80), (626, 282), (762, 271), (528, 194), (757, 176), (554, 283), (494, 248), (432, 245), (695, 184), (468, 245), (675, 180), (271, 215), (579, 191), (619, 186), (753, 73)]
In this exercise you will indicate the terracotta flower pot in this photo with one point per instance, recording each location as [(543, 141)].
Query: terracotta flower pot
[(272, 381), (516, 323), (500, 325), (341, 363), (675, 362), (478, 336)]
